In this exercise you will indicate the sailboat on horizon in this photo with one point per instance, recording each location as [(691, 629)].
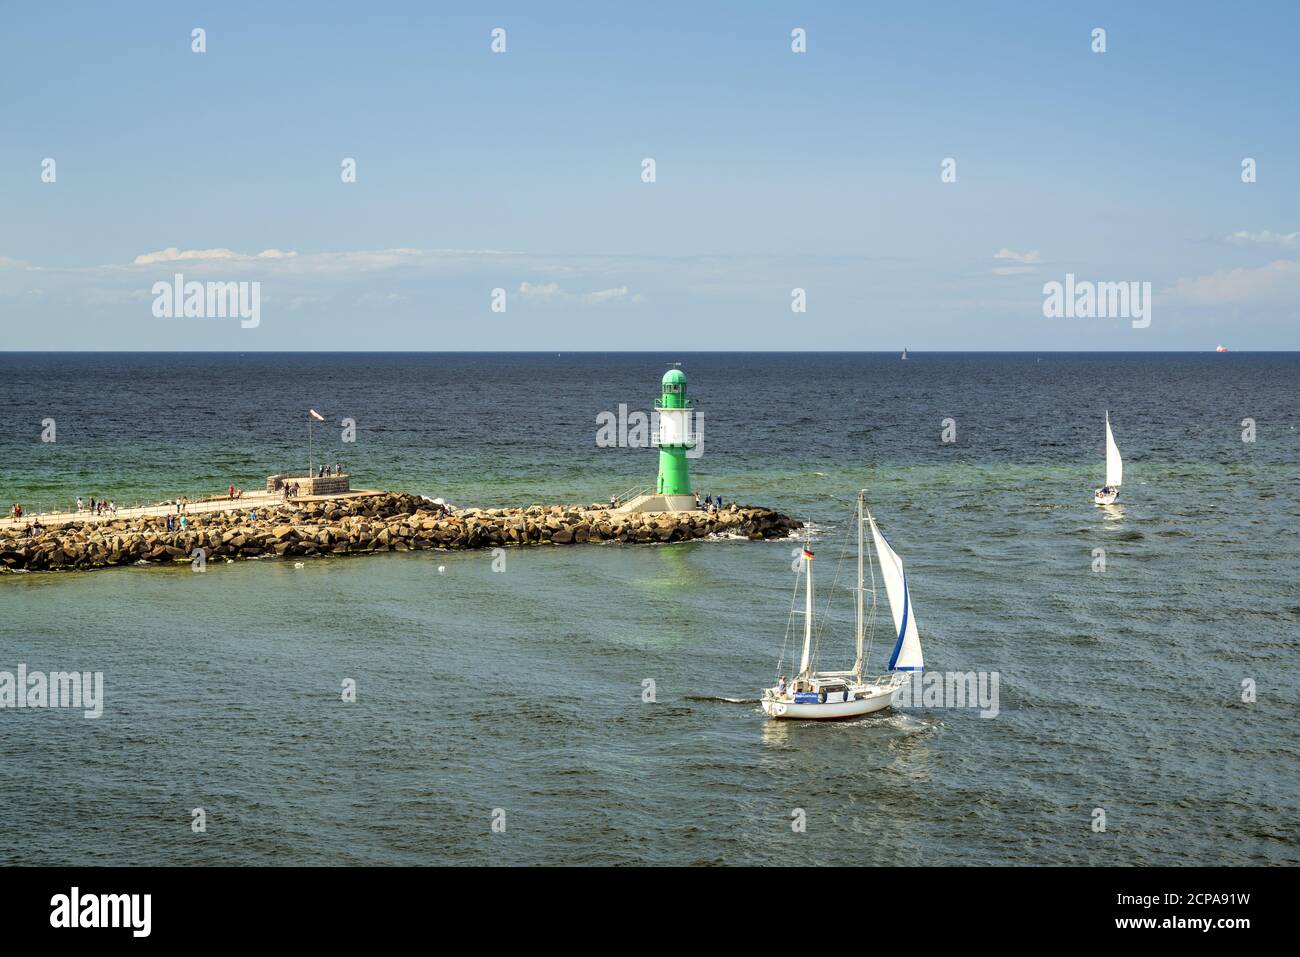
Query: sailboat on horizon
[(1108, 493), (820, 695)]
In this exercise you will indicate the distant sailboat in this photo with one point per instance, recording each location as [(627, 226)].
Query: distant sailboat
[(904, 352), (1107, 494), (846, 694)]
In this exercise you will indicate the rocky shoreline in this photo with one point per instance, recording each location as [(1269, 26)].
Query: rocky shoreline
[(382, 522)]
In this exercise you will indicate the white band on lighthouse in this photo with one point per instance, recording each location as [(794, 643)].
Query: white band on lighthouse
[(674, 426)]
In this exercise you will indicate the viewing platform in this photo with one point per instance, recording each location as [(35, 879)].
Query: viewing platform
[(310, 485)]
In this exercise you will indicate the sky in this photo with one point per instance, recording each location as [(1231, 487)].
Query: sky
[(500, 198)]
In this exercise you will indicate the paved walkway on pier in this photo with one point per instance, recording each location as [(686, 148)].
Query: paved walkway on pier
[(247, 502)]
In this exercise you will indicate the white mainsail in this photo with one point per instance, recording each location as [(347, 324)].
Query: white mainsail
[(808, 615), (1114, 464), (907, 647)]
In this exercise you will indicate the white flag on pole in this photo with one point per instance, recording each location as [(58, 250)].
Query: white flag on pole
[(316, 415)]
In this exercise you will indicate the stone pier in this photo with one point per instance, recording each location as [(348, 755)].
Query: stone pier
[(355, 523)]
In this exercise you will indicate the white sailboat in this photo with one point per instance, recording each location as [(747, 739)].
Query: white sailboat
[(816, 694), (1107, 494)]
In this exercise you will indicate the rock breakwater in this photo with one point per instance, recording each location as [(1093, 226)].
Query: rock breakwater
[(365, 524)]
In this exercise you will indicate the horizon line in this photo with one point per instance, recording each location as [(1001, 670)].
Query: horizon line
[(650, 352)]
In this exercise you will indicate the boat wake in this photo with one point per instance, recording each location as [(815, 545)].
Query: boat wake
[(892, 718), (722, 698), (912, 724)]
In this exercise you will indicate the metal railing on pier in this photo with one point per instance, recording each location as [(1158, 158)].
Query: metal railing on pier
[(632, 493)]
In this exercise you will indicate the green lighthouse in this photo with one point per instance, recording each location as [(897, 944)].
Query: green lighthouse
[(674, 440)]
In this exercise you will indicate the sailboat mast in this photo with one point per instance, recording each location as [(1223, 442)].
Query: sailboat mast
[(808, 614), (857, 664)]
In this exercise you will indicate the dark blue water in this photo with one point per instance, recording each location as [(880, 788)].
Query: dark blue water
[(522, 690)]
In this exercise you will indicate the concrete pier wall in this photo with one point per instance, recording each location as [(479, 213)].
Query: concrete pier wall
[(311, 484)]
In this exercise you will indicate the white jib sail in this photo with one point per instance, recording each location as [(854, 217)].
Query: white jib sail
[(906, 655), (1114, 464)]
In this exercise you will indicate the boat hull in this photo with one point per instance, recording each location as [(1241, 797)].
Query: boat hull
[(878, 700)]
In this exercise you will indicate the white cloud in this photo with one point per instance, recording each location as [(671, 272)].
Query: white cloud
[(605, 295), (1263, 238), (171, 254), (1032, 257), (554, 292), (358, 261), (329, 263), (1028, 261), (1279, 280), (541, 293)]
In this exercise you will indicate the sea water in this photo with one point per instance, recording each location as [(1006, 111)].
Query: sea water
[(597, 704)]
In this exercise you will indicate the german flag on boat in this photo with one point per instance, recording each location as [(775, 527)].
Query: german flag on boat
[(807, 553)]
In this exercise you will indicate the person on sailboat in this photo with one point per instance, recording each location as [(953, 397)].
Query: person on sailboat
[(780, 687)]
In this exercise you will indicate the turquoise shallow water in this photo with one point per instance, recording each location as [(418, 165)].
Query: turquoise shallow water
[(522, 690)]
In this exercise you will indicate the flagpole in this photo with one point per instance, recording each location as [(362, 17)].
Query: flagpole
[(312, 414)]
